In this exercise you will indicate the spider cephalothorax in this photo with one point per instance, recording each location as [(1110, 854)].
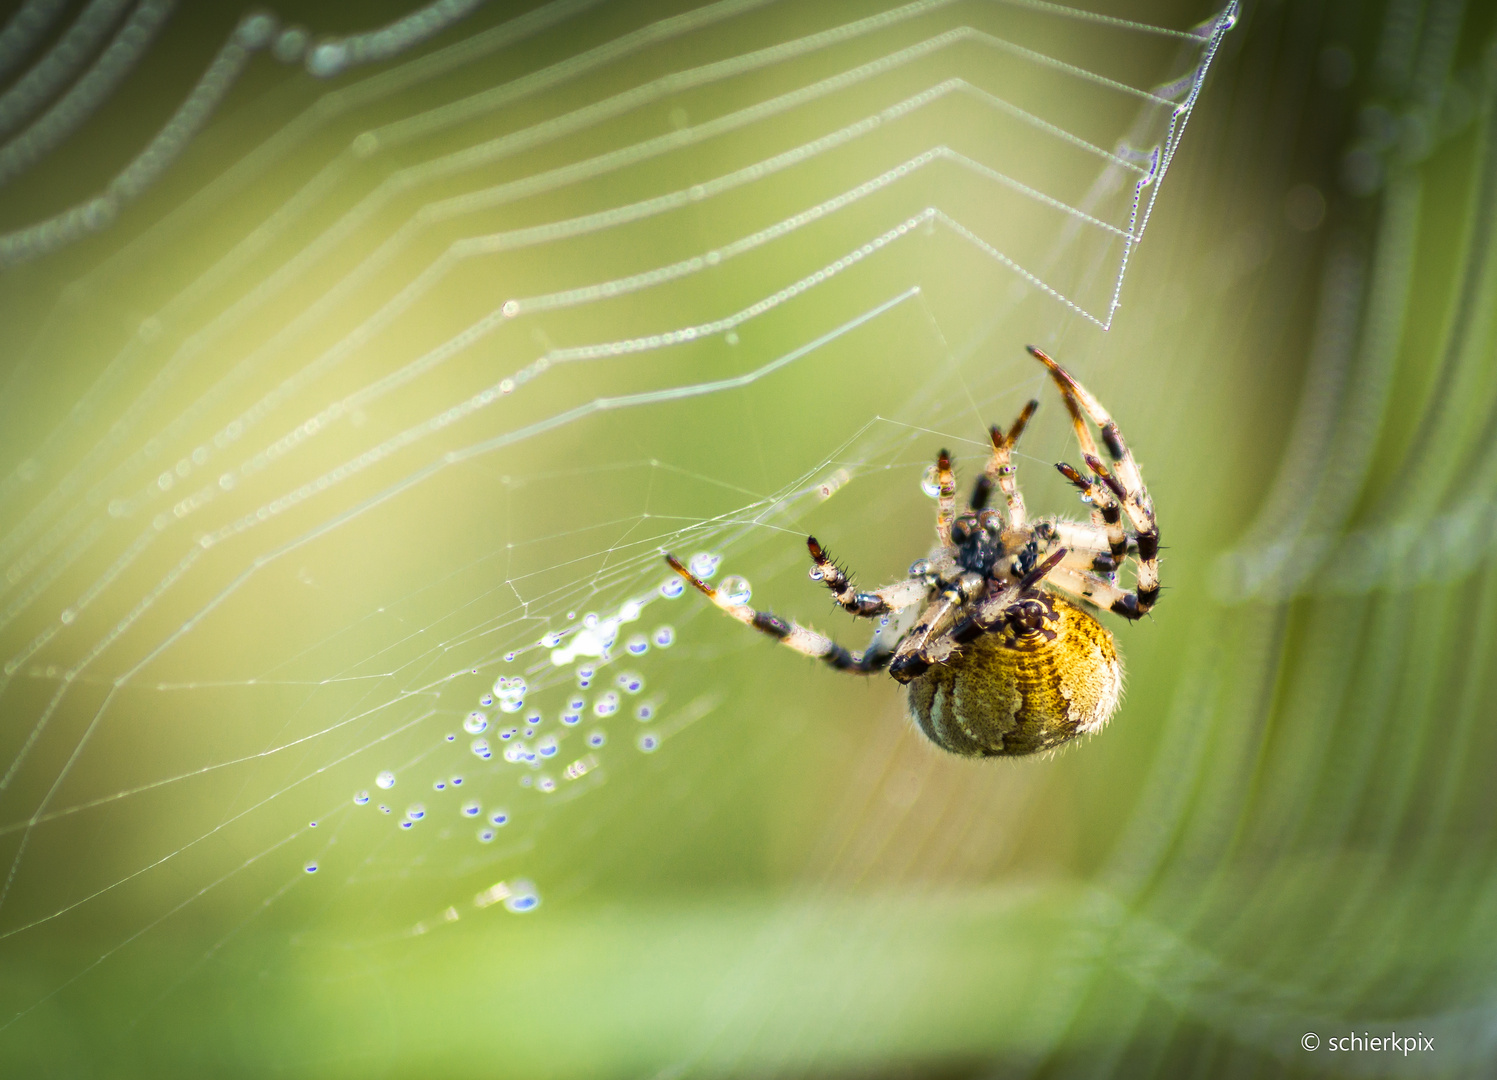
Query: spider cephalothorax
[(1004, 657)]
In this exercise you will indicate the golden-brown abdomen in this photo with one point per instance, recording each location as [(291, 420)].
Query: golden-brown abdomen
[(1007, 694)]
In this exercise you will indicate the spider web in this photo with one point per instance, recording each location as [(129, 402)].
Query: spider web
[(333, 580)]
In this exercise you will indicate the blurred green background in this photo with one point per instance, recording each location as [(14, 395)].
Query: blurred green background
[(273, 524)]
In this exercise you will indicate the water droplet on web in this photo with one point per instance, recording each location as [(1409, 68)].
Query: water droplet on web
[(476, 723), (648, 743), (665, 636), (509, 658), (311, 868), (485, 836), (510, 693), (735, 590), (383, 809), (523, 897), (545, 784), (406, 824), (672, 587), (385, 780), (550, 641), (471, 809), (480, 747), (596, 739), (457, 781), (361, 798), (930, 482), (607, 704), (638, 645), (704, 564), (486, 701), (415, 811), (584, 676), (570, 718), (500, 817), (631, 682), (546, 747), (440, 785), (645, 712)]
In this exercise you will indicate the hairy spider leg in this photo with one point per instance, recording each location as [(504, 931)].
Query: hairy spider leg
[(1127, 485), (1104, 506), (1002, 471), (889, 599), (928, 641), (804, 641), (1091, 547), (945, 498)]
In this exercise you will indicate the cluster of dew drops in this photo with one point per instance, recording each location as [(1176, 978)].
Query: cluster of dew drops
[(522, 742)]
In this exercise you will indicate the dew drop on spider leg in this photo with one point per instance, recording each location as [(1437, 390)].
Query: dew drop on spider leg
[(930, 483), (735, 590), (672, 587), (704, 564)]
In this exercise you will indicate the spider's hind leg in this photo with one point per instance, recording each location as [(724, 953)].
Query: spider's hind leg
[(805, 641)]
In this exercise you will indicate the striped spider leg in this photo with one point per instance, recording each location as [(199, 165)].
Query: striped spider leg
[(1115, 493)]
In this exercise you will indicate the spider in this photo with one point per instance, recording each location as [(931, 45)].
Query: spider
[(1003, 656)]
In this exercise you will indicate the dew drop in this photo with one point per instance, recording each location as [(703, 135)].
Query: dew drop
[(546, 747), (440, 785), (930, 483), (500, 818), (545, 784), (665, 636), (406, 824), (480, 747), (457, 781), (648, 743), (509, 658), (645, 712), (638, 645), (311, 868), (485, 836), (550, 641), (596, 739), (522, 898), (385, 780), (571, 718), (816, 574), (704, 564), (486, 701), (607, 704), (672, 587), (476, 723), (631, 682), (361, 799), (471, 809), (735, 590), (415, 811)]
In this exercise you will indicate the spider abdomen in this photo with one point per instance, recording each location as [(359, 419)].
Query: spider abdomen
[(1015, 692)]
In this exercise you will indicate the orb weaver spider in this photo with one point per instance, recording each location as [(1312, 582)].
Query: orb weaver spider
[(1003, 656)]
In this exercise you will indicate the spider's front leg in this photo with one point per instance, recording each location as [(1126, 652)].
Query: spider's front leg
[(866, 605), (1123, 483), (805, 641)]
